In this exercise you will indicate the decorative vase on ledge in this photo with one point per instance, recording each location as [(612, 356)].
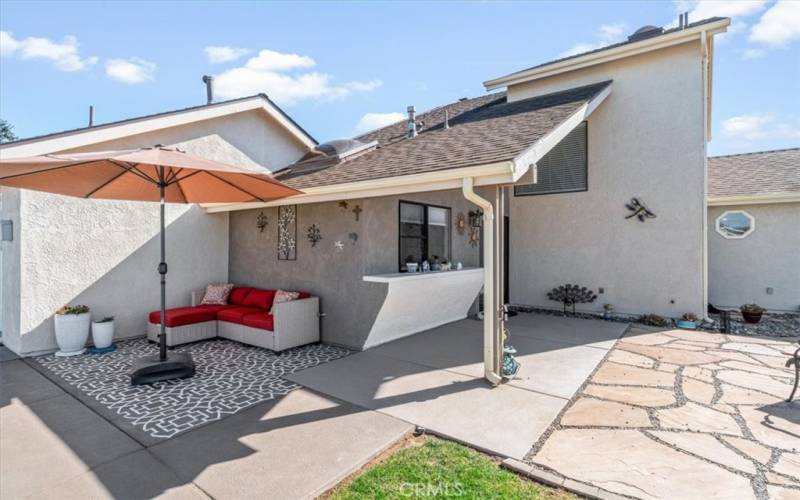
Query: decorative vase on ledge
[(72, 330)]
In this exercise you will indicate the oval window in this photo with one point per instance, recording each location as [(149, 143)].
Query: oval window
[(735, 224)]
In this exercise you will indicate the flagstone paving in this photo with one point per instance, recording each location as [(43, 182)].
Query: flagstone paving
[(682, 414)]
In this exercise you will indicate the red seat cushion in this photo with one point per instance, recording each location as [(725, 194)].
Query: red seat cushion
[(260, 298), (237, 313), (181, 316), (261, 320), (238, 295), (215, 308)]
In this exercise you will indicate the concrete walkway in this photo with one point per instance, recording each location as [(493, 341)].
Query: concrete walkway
[(434, 379), (54, 446), (683, 414)]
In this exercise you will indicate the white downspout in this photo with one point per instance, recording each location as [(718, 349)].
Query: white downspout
[(706, 136), (489, 307)]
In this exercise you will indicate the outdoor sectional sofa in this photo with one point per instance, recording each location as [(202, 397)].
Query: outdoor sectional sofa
[(249, 317)]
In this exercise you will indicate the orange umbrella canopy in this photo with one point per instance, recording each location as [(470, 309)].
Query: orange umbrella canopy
[(133, 174)]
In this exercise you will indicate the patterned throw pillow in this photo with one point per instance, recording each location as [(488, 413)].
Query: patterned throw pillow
[(217, 294), (283, 296)]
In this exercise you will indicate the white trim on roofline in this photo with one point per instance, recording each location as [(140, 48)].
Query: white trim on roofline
[(626, 50), (754, 199), (503, 172), (102, 133)]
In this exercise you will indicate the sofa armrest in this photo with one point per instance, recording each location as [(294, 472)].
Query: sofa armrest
[(296, 322), (197, 296)]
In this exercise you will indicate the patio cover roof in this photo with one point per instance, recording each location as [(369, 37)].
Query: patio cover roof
[(760, 177), (489, 139)]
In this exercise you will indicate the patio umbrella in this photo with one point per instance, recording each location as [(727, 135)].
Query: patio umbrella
[(162, 174)]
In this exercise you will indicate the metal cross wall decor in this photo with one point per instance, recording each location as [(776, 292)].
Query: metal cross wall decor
[(262, 221), (639, 210), (357, 211)]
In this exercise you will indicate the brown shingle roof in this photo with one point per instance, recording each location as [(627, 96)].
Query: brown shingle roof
[(763, 172), (490, 132)]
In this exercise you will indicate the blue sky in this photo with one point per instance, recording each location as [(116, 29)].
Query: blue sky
[(340, 67)]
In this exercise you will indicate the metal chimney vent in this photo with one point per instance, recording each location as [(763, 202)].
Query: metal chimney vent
[(209, 81)]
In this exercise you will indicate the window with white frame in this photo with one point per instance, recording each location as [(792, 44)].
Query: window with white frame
[(735, 224)]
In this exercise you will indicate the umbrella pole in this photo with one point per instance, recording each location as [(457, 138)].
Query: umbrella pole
[(162, 270)]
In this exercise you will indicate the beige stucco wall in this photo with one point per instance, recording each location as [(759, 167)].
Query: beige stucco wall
[(104, 253), (349, 303), (741, 270), (646, 140)]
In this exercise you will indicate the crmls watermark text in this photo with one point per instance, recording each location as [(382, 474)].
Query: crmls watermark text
[(431, 489)]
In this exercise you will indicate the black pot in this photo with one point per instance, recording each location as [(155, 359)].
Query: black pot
[(751, 317)]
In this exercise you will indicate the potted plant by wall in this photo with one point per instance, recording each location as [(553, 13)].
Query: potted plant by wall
[(607, 309), (103, 332), (688, 322), (72, 329), (435, 265), (751, 313)]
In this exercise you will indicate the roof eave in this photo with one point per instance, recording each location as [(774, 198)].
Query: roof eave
[(501, 172), (101, 133), (572, 64), (754, 199)]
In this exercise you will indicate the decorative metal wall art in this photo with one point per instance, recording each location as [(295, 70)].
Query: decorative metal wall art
[(475, 217), (287, 232), (314, 235), (461, 223), (357, 210), (343, 204), (474, 236), (339, 245), (353, 237), (262, 221), (569, 295), (639, 210)]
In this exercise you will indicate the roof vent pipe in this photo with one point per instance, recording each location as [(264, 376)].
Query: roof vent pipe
[(446, 118), (412, 122), (91, 116), (209, 81)]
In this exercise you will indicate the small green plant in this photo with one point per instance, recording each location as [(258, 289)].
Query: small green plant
[(79, 309), (608, 307), (107, 319), (752, 309), (654, 320)]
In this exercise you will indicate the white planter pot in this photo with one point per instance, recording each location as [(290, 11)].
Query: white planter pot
[(103, 334), (72, 331)]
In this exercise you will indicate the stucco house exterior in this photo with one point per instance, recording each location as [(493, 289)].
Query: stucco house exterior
[(754, 229), (532, 184)]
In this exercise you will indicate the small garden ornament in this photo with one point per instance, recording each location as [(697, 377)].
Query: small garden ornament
[(569, 295), (688, 322)]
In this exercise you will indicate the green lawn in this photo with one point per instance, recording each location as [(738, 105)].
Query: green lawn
[(441, 469)]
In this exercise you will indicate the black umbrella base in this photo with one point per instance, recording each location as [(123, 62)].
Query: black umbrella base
[(151, 369)]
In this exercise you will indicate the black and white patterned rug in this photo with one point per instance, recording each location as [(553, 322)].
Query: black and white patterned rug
[(230, 377)]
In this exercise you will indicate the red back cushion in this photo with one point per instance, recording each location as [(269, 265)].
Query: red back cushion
[(238, 295), (304, 295), (260, 298)]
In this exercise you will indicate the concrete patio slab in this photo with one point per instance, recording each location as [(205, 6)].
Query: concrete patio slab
[(6, 354), (504, 420), (458, 347), (294, 447), (574, 331), (56, 432)]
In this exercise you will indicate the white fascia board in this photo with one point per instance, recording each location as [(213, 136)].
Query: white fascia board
[(493, 173), (627, 50), (103, 133), (753, 199), (530, 156)]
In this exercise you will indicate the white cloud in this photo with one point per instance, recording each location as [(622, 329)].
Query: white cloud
[(372, 121), (759, 126), (270, 72), (63, 56), (752, 53), (131, 71), (607, 34), (779, 26), (218, 54)]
